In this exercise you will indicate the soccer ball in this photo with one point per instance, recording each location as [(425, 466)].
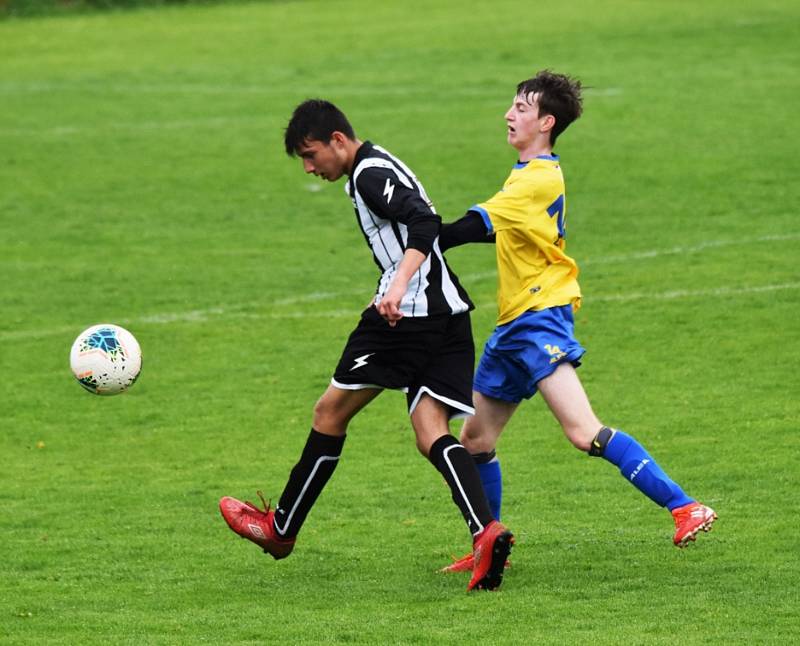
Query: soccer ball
[(105, 359)]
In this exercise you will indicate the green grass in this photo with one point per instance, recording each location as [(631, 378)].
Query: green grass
[(142, 182)]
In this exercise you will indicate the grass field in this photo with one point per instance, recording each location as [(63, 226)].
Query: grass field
[(143, 182)]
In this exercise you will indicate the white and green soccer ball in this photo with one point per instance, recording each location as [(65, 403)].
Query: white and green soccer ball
[(106, 359)]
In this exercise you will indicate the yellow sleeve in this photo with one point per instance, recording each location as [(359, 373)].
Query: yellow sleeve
[(508, 208)]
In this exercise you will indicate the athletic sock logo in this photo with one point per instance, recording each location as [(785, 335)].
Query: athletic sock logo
[(641, 466)]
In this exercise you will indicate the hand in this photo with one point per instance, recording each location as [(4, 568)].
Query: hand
[(389, 306)]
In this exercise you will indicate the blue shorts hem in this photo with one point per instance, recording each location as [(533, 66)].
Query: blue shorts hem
[(496, 394), (573, 357)]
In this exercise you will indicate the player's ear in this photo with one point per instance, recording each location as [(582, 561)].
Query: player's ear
[(546, 123), (338, 138)]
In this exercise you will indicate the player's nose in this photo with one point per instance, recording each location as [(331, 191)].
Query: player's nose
[(308, 167)]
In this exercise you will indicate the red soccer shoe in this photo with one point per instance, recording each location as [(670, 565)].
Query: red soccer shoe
[(464, 564), (691, 519), (255, 525), (490, 551)]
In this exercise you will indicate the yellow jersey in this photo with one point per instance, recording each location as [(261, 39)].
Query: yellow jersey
[(528, 217)]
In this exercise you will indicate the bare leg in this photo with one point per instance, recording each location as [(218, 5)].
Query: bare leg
[(429, 420), (337, 406), (567, 399), (480, 433)]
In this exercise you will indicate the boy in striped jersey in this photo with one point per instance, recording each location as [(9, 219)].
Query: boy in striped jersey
[(415, 336), (533, 348)]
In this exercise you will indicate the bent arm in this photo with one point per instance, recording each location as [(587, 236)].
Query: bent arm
[(389, 306), (470, 228)]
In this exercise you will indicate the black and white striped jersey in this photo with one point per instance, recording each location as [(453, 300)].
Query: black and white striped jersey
[(395, 213)]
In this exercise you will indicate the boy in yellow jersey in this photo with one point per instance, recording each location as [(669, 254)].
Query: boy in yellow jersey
[(533, 346)]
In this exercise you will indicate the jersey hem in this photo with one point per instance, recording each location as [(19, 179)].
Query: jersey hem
[(575, 302)]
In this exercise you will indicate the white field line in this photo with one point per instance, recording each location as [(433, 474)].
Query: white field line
[(269, 87), (68, 130), (476, 276), (655, 253), (708, 244), (237, 311), (139, 126), (216, 313), (204, 315), (695, 293)]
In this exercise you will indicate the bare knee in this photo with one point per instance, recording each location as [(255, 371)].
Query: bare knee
[(477, 437), (580, 443), (426, 436), (424, 444), (581, 436), (429, 420), (329, 418)]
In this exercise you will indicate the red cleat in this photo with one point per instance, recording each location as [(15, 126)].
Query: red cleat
[(464, 564), (489, 552), (691, 519), (255, 525)]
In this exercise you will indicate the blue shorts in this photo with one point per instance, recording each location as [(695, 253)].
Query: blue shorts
[(520, 354)]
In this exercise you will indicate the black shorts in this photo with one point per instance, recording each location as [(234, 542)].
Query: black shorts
[(433, 355)]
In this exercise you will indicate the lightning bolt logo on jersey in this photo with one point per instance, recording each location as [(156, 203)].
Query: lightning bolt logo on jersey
[(388, 190), (389, 200)]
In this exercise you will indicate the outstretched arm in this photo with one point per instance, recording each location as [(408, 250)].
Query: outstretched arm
[(470, 228)]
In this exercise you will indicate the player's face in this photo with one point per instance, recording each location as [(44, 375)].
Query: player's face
[(325, 160), (523, 120)]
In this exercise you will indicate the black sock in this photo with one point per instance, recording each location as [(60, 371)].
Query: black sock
[(306, 481), (461, 474)]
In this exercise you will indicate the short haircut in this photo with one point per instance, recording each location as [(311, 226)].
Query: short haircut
[(315, 119), (559, 96)]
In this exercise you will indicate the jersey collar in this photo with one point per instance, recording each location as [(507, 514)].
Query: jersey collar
[(523, 164), (363, 151)]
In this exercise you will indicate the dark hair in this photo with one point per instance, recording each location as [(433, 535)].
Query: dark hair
[(315, 119), (559, 96)]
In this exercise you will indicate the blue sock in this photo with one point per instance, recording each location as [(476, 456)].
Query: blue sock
[(492, 481), (641, 470)]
